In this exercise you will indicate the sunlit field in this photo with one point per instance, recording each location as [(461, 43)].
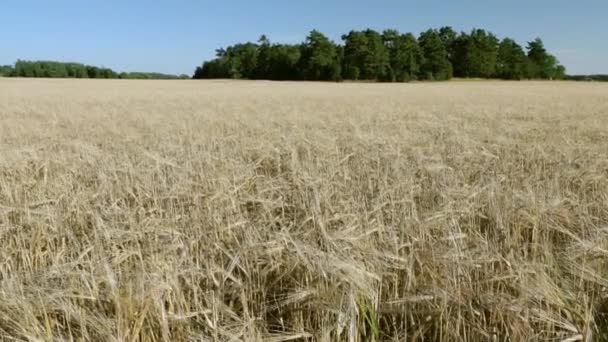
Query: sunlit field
[(263, 211)]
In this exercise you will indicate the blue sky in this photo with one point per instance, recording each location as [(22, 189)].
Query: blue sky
[(175, 36)]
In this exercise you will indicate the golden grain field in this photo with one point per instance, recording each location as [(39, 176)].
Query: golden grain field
[(262, 211)]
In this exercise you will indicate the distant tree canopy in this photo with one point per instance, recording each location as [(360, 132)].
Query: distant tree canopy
[(6, 70), (405, 56), (598, 78), (475, 54), (390, 56), (53, 69), (511, 61), (436, 64)]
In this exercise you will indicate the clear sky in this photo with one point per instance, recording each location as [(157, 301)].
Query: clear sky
[(174, 36)]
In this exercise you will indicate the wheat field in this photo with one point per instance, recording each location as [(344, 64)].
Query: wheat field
[(262, 211)]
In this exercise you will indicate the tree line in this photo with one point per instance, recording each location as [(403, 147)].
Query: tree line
[(52, 69), (598, 78), (388, 56)]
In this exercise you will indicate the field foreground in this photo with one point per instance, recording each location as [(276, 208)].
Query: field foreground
[(184, 210)]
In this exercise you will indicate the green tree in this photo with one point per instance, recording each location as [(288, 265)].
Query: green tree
[(511, 60), (81, 71), (475, 54), (283, 62), (263, 64), (24, 69), (248, 56), (75, 70), (560, 72), (377, 61), (541, 63), (448, 37), (355, 50), (6, 70), (436, 65), (369, 55), (92, 72), (366, 56), (405, 54), (319, 58), (212, 69)]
